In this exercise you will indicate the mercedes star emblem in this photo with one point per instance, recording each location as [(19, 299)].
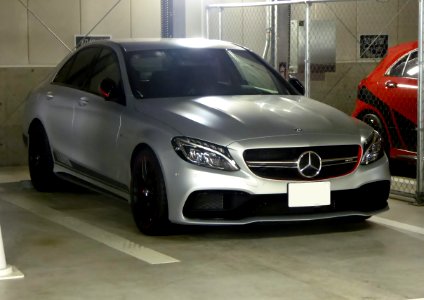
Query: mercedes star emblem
[(309, 164)]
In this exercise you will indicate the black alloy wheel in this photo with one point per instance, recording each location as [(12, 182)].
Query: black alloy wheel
[(40, 161), (148, 194)]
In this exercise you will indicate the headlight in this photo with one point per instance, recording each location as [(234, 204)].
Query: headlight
[(204, 154), (373, 149)]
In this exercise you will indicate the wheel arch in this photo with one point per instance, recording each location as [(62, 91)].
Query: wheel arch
[(386, 134), (145, 146), (371, 110), (137, 150), (35, 124)]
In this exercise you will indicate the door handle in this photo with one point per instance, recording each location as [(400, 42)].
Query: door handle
[(49, 96), (391, 85), (83, 101)]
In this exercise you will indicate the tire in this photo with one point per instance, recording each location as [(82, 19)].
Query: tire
[(40, 161), (149, 204)]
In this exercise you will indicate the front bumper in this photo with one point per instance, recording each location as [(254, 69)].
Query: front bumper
[(198, 195), (236, 206)]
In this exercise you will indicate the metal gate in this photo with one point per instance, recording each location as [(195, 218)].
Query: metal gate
[(331, 45)]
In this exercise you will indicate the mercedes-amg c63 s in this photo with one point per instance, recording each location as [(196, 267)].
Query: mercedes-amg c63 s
[(199, 132)]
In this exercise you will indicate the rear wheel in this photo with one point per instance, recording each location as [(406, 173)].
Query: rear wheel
[(40, 161), (149, 204)]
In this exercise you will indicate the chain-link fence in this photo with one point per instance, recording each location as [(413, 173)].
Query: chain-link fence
[(346, 41), (245, 26)]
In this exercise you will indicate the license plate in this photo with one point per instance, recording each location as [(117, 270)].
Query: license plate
[(307, 194)]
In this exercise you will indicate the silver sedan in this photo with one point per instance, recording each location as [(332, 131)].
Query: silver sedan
[(199, 132)]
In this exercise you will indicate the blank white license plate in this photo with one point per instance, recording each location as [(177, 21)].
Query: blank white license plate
[(309, 194)]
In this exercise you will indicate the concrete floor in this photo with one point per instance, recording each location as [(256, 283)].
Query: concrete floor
[(85, 246)]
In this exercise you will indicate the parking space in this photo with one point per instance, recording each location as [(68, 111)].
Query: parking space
[(85, 246)]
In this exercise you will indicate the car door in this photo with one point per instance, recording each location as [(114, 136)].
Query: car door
[(97, 123), (62, 95), (398, 88)]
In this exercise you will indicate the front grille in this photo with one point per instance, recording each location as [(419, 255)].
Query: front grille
[(282, 163)]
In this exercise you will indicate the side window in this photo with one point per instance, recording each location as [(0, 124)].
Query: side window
[(397, 68), (106, 66), (411, 68), (407, 66), (76, 70), (62, 75)]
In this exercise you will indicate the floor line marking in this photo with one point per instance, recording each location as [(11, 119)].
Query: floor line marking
[(102, 236), (398, 225)]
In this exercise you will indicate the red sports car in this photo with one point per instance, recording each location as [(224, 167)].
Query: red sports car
[(387, 100)]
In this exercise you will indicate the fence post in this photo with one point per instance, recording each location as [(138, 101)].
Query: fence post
[(420, 110), (276, 32), (207, 22), (307, 50), (220, 23)]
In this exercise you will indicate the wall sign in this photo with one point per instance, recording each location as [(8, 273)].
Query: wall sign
[(373, 46), (81, 40)]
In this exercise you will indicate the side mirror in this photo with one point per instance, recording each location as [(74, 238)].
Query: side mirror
[(108, 89), (297, 84)]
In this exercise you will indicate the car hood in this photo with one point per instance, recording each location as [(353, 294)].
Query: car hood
[(228, 119)]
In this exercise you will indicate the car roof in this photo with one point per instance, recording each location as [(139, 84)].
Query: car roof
[(130, 45), (396, 51)]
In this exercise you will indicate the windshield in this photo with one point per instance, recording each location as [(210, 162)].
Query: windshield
[(201, 72)]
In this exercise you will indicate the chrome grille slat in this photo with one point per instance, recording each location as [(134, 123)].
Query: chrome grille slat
[(273, 164), (293, 164), (337, 162)]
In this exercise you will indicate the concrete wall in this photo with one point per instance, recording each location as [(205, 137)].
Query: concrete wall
[(25, 41), (28, 51), (195, 13), (396, 18), (339, 88), (15, 83)]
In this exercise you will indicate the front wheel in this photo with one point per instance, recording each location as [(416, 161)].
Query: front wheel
[(149, 204)]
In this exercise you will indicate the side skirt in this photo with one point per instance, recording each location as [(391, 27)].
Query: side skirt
[(90, 186)]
